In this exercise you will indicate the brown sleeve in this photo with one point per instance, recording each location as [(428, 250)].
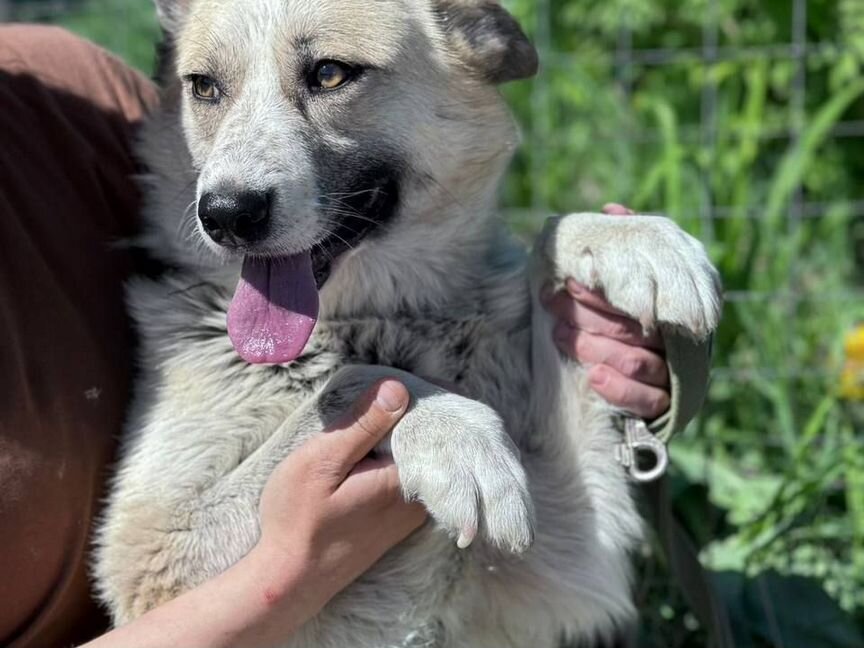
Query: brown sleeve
[(66, 198)]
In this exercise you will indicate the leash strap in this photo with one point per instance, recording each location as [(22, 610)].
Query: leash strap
[(689, 363), (685, 568)]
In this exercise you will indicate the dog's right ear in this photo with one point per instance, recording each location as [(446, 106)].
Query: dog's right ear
[(172, 13), (487, 39)]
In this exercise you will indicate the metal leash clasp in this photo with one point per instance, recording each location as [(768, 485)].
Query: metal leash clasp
[(638, 440)]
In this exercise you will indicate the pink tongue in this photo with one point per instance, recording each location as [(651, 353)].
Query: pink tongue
[(274, 309)]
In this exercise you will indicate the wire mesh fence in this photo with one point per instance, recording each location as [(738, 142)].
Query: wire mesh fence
[(34, 11)]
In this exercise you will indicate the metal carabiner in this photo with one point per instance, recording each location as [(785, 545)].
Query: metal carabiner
[(639, 442)]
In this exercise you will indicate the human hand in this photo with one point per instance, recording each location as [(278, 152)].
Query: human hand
[(627, 367), (328, 514)]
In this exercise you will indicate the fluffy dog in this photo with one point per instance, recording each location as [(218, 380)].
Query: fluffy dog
[(323, 178)]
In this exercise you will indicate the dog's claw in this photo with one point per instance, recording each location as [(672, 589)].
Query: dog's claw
[(466, 537), (465, 492)]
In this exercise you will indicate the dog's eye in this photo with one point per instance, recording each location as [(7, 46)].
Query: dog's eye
[(329, 75), (203, 87)]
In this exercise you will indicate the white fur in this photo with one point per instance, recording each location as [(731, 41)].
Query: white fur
[(525, 461)]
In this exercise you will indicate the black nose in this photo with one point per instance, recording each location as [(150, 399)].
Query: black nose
[(235, 218)]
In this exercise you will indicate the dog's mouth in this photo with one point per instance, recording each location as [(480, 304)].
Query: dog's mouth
[(275, 307), (358, 214)]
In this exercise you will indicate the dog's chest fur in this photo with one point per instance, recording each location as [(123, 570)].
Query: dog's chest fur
[(479, 346)]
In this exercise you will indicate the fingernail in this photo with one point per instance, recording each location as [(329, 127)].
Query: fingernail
[(466, 537), (598, 377), (616, 209), (391, 395), (546, 293)]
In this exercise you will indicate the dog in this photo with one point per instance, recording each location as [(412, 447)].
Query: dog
[(322, 179)]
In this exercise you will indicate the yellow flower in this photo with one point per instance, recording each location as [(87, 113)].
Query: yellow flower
[(855, 344), (852, 378)]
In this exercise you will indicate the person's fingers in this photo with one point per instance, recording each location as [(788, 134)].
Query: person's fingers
[(407, 517), (372, 485), (644, 401), (395, 522), (372, 482), (592, 320), (591, 298), (614, 209), (372, 489), (633, 362), (373, 463), (370, 419), (581, 293)]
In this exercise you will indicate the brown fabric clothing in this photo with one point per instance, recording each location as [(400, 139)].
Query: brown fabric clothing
[(67, 110)]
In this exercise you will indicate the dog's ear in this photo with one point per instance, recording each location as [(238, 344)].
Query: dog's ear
[(172, 13), (487, 39)]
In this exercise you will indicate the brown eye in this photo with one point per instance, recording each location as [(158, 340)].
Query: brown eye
[(205, 88), (329, 75)]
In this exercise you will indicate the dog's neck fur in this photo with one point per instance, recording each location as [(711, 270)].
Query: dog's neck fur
[(403, 273)]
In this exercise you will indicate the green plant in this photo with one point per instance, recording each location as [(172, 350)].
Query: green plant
[(126, 27), (770, 477)]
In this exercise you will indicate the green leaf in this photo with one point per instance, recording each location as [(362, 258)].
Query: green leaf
[(801, 156), (745, 496)]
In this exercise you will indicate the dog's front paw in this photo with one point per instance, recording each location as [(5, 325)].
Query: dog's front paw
[(646, 266), (455, 457)]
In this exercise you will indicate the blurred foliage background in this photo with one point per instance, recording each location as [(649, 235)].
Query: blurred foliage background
[(744, 121)]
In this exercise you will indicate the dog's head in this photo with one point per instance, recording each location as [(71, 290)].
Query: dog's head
[(315, 126)]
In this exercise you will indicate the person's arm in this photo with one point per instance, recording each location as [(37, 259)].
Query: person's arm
[(661, 380), (327, 515)]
